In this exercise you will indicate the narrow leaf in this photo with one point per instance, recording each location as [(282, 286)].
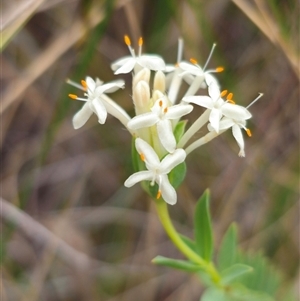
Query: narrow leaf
[(179, 130), (176, 264), (203, 231), (177, 174), (227, 252), (189, 242), (233, 272)]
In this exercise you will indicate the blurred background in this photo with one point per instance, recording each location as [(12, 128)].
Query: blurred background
[(70, 229)]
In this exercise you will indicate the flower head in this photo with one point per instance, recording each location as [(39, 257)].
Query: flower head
[(95, 102), (161, 115), (129, 63), (157, 171)]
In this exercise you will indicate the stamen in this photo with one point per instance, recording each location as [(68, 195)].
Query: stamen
[(177, 65), (73, 96), (193, 61), (248, 132), (231, 101), (165, 110), (84, 84), (127, 40), (229, 96), (219, 69), (255, 100), (160, 103), (158, 194), (180, 50), (142, 156), (140, 41), (223, 93), (209, 57)]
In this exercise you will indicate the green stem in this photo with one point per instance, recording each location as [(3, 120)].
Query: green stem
[(163, 213)]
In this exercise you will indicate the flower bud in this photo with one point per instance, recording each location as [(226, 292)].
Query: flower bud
[(141, 97), (159, 81)]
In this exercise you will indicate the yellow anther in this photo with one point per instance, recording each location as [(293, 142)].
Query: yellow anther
[(219, 69), (84, 84), (193, 61), (248, 132), (165, 110), (231, 101), (127, 40), (223, 93), (160, 103), (158, 194), (177, 65), (229, 96), (73, 96), (140, 41), (142, 156)]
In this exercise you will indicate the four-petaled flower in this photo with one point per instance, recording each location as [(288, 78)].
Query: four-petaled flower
[(161, 115), (218, 106), (95, 103), (157, 171), (128, 63)]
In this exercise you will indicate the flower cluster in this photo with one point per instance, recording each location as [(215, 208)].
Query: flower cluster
[(159, 109)]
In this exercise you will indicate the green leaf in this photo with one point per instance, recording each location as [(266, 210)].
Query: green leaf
[(179, 130), (213, 294), (227, 252), (176, 264), (203, 231), (235, 271), (189, 242), (177, 175)]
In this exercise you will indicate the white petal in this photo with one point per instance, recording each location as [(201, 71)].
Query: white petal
[(203, 101), (237, 133), (120, 62), (144, 148), (110, 87), (211, 80), (144, 175), (214, 91), (166, 136), (214, 119), (235, 112), (172, 160), (190, 68), (152, 62), (167, 191), (178, 111), (127, 67), (82, 116), (142, 121), (100, 110), (90, 83), (226, 123)]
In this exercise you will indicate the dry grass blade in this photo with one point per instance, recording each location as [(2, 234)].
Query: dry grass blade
[(14, 17), (264, 21)]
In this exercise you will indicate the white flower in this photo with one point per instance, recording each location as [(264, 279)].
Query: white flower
[(128, 63), (161, 115), (157, 171), (236, 126), (218, 106), (95, 102)]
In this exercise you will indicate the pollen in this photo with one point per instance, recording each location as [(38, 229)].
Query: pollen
[(158, 194), (84, 84), (73, 96), (140, 41), (219, 69), (248, 132), (165, 110), (223, 93), (229, 96), (193, 61), (127, 40), (160, 103), (142, 156)]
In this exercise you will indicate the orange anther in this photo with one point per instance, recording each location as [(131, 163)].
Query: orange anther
[(158, 194), (177, 65), (219, 69), (229, 96), (73, 96), (193, 61), (248, 132), (165, 110), (223, 93), (127, 40), (231, 101), (84, 84), (140, 41), (142, 156), (160, 103)]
